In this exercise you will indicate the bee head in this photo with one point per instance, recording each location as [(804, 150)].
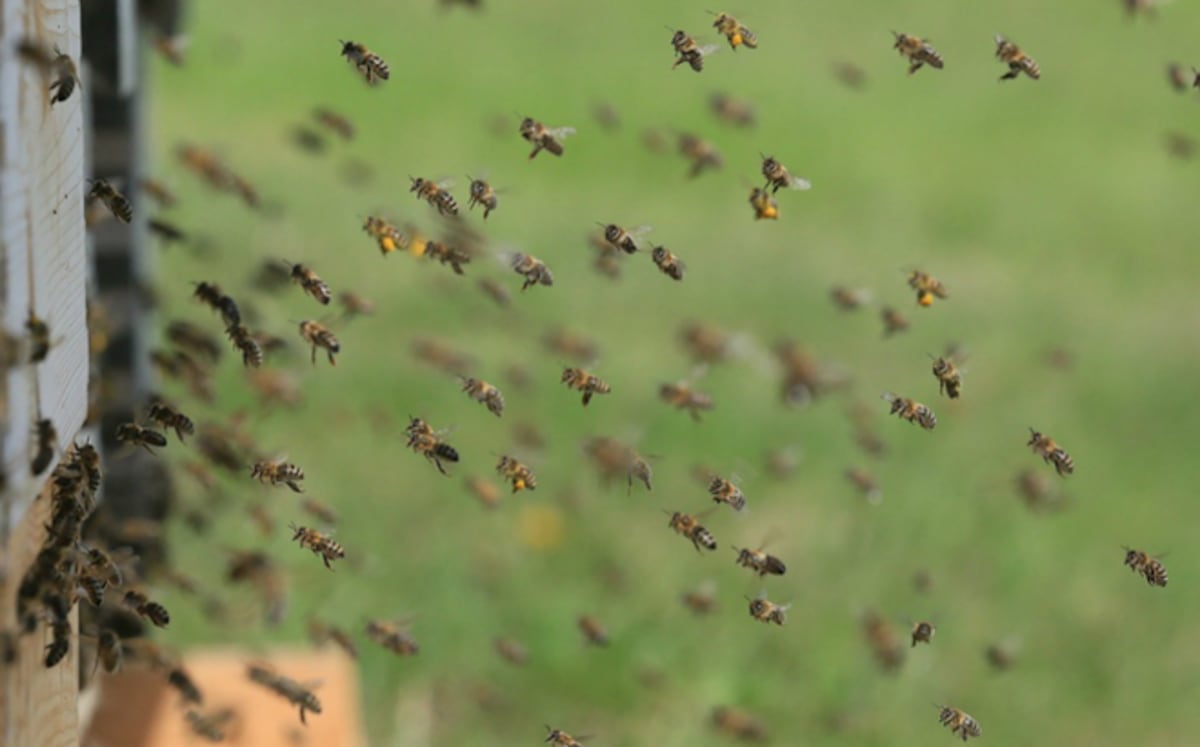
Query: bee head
[(347, 46), (417, 183), (678, 38)]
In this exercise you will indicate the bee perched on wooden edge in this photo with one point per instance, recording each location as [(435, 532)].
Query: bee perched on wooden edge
[(371, 65), (1018, 62), (918, 51)]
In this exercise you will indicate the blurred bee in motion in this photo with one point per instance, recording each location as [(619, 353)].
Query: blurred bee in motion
[(724, 491), (371, 65), (765, 206), (1145, 7), (918, 52), (210, 295), (423, 440), (922, 632), (66, 78), (885, 643), (687, 50), (482, 193), (922, 581), (926, 286), (318, 336), (702, 154), (764, 610), (171, 48), (848, 299), (734, 32), (355, 305), (1001, 656), (530, 267), (170, 417), (739, 723), (511, 651), (589, 384), (481, 391), (607, 116), (1018, 62), (495, 291), (168, 232), (1051, 452), (147, 608), (387, 235), (948, 375), (319, 633), (682, 396), (441, 356), (320, 544), (666, 261), (571, 345), (959, 722), (850, 75), (435, 194), (560, 738), (781, 462), (1180, 145), (46, 443), (689, 526), (626, 241), (654, 140), (484, 491), (296, 693), (158, 192), (447, 255), (116, 202), (760, 562), (39, 338), (893, 321), (1149, 566), (278, 472), (911, 410), (136, 435), (702, 600), (543, 137), (1180, 79), (518, 474), (308, 140), (336, 122), (592, 630), (732, 110), (246, 344), (1037, 492), (109, 652), (210, 726), (177, 677), (866, 484), (312, 283), (706, 343), (778, 176), (804, 378), (392, 636)]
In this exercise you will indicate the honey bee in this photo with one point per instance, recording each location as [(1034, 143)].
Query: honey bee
[(589, 384), (764, 610), (850, 75), (922, 632), (336, 122), (702, 600), (116, 202), (366, 62), (592, 630), (278, 472), (171, 48), (1150, 567), (571, 345), (948, 375), (918, 51), (687, 50), (320, 544), (158, 191), (1037, 492), (423, 440), (60, 643), (447, 254), (385, 234), (530, 267), (312, 283), (760, 562), (511, 651), (484, 491), (1180, 145), (210, 294), (179, 679), (702, 153), (884, 642), (210, 726), (495, 291), (318, 336), (436, 194), (169, 417), (99, 565), (392, 637), (1051, 452), (482, 193), (866, 484), (521, 477), (626, 241), (247, 345), (320, 632), (736, 33), (724, 491), (560, 738), (778, 176), (46, 437), (440, 355), (607, 116), (147, 608), (682, 396), (848, 299), (926, 287), (893, 321), (1179, 78), (739, 723), (739, 112), (296, 693), (911, 410), (66, 78), (543, 137), (109, 651), (689, 526), (666, 261), (481, 391), (959, 721), (132, 433), (1001, 656), (765, 206), (355, 305), (1018, 62)]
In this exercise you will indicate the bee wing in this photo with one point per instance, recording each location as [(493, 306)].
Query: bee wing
[(641, 231), (445, 183), (696, 373), (561, 132), (800, 184), (708, 49)]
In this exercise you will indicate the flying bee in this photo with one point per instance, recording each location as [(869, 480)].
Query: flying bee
[(99, 565), (959, 721), (849, 299), (573, 345), (247, 345), (481, 391), (1150, 567), (689, 526), (132, 433), (724, 491), (561, 739), (319, 336), (1051, 452), (169, 417), (865, 483), (1001, 656), (626, 241), (147, 608), (319, 510), (760, 562), (312, 283), (778, 176), (494, 290), (885, 643), (66, 78), (392, 636), (355, 305), (39, 338), (484, 491), (893, 321), (918, 51), (543, 137), (666, 261), (1179, 78), (765, 206), (320, 544), (319, 633), (735, 111), (687, 50), (682, 396), (436, 194), (60, 643), (530, 267), (521, 477), (1018, 62), (296, 693), (423, 440), (441, 355), (278, 472), (116, 202), (764, 610), (702, 153), (336, 122), (46, 437), (702, 600), (179, 679), (739, 723), (850, 75), (589, 384), (1180, 145), (734, 32), (592, 630), (210, 726), (922, 632), (911, 410), (511, 651), (109, 651), (482, 193), (926, 287), (447, 254), (365, 61), (948, 375), (387, 235)]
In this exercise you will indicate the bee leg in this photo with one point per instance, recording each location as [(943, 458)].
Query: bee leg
[(326, 559), (915, 67), (295, 488), (148, 449), (302, 716), (314, 355), (695, 414), (438, 463), (587, 397), (332, 360)]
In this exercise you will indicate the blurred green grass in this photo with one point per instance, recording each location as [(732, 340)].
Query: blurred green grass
[(1050, 209)]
